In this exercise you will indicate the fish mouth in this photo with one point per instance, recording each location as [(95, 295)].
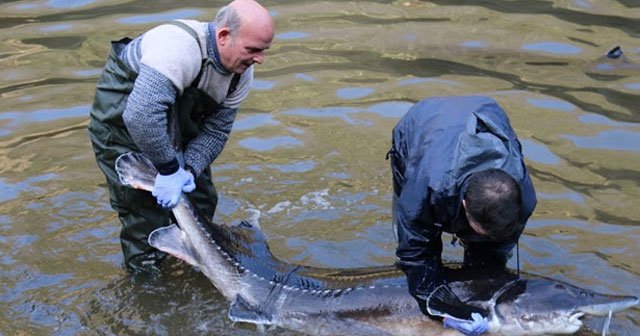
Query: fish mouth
[(573, 323), (615, 305)]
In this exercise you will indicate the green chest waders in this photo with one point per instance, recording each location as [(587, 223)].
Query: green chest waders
[(137, 209)]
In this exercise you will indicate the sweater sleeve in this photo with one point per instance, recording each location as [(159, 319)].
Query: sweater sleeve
[(208, 144), (145, 117)]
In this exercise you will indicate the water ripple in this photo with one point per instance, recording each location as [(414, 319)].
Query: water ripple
[(259, 84), (553, 48), (538, 152), (14, 119), (67, 4), (291, 35), (611, 140), (354, 93), (254, 121), (162, 17), (552, 104), (294, 167), (267, 144)]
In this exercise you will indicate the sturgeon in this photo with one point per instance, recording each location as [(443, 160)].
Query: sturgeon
[(371, 301)]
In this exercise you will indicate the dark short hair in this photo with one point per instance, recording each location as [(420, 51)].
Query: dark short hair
[(493, 199)]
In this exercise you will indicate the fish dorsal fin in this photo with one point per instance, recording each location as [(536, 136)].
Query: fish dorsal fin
[(169, 239), (445, 303), (243, 311)]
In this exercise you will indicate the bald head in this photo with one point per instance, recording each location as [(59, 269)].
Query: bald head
[(253, 13), (244, 30), (244, 12)]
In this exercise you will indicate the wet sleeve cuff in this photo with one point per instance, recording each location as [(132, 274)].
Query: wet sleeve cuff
[(169, 167)]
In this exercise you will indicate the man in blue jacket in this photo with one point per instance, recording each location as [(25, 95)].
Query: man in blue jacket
[(457, 167)]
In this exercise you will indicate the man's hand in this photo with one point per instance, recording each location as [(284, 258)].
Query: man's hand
[(477, 326), (168, 188)]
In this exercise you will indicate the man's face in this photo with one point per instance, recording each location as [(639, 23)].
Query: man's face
[(247, 47)]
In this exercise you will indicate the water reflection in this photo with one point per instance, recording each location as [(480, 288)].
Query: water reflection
[(254, 121), (305, 77), (597, 119), (291, 35), (327, 112), (584, 4), (535, 151), (162, 17), (306, 155), (15, 119), (267, 144), (56, 27), (11, 191), (551, 104), (421, 80), (68, 3), (612, 140), (258, 84), (571, 196), (88, 73), (295, 167), (409, 37), (388, 109), (553, 48), (339, 175), (354, 93), (473, 44), (633, 86)]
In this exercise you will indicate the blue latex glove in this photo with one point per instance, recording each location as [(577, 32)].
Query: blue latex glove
[(168, 188), (478, 326)]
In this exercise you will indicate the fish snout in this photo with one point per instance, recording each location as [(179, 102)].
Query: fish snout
[(609, 303)]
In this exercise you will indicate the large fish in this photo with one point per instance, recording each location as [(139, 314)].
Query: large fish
[(362, 301)]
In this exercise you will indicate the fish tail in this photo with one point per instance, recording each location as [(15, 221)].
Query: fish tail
[(135, 170)]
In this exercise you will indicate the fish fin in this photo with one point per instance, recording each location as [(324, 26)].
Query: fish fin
[(243, 311), (607, 323), (243, 224), (445, 303), (615, 52), (169, 239), (135, 170)]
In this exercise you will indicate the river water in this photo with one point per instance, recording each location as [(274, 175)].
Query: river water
[(306, 156)]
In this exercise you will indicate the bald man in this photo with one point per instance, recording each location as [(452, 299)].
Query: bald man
[(196, 72)]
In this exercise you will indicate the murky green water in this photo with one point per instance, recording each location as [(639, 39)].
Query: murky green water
[(307, 150)]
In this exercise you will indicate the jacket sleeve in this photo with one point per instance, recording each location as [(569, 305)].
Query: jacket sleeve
[(419, 242)]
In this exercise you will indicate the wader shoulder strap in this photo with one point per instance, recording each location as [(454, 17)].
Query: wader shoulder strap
[(190, 31), (234, 83)]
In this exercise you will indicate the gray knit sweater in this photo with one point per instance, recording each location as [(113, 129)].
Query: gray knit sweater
[(167, 60)]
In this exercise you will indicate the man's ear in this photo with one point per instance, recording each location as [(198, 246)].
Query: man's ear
[(223, 36)]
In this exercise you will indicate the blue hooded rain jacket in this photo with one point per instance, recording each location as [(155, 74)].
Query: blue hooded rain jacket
[(437, 145)]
